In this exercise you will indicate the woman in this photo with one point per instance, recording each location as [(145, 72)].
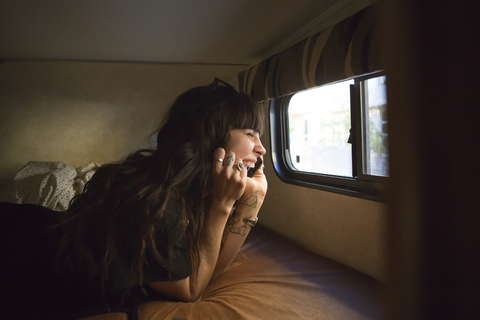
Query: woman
[(164, 222)]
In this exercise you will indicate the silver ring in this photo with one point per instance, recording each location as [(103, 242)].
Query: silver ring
[(221, 160), (240, 166)]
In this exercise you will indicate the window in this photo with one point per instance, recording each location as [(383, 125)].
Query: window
[(319, 124), (374, 132), (334, 137)]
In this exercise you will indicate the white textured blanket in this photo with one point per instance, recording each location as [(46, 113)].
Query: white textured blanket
[(49, 184)]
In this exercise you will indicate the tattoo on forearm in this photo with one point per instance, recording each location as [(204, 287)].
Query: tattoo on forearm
[(229, 161), (231, 228), (251, 201)]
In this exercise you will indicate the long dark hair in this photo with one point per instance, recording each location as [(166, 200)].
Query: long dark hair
[(126, 200)]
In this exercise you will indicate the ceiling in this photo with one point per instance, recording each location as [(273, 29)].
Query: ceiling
[(237, 32)]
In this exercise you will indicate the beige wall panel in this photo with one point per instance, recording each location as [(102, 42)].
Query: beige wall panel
[(82, 112), (343, 228)]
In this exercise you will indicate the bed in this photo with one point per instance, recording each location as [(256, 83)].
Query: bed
[(270, 278)]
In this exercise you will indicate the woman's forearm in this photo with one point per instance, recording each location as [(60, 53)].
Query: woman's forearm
[(191, 288), (236, 229), (209, 248)]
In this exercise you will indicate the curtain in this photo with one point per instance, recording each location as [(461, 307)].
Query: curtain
[(347, 49)]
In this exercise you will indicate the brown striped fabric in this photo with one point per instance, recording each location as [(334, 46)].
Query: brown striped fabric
[(348, 49)]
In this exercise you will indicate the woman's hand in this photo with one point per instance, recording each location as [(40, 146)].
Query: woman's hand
[(257, 183), (229, 182)]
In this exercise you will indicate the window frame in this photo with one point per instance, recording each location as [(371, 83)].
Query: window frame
[(360, 185)]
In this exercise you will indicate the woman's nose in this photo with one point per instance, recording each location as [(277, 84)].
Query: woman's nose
[(259, 148)]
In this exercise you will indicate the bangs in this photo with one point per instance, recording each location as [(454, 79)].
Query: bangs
[(246, 114)]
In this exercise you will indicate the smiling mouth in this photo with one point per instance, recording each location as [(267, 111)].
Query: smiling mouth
[(249, 163)]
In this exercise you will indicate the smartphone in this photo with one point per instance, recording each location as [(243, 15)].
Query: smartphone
[(258, 164)]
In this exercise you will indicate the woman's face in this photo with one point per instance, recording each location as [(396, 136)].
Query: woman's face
[(246, 145)]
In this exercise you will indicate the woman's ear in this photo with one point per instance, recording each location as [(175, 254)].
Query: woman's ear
[(226, 140)]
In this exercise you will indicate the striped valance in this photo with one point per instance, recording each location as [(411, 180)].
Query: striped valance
[(347, 49)]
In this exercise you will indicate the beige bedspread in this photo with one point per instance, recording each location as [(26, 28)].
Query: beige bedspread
[(272, 278)]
